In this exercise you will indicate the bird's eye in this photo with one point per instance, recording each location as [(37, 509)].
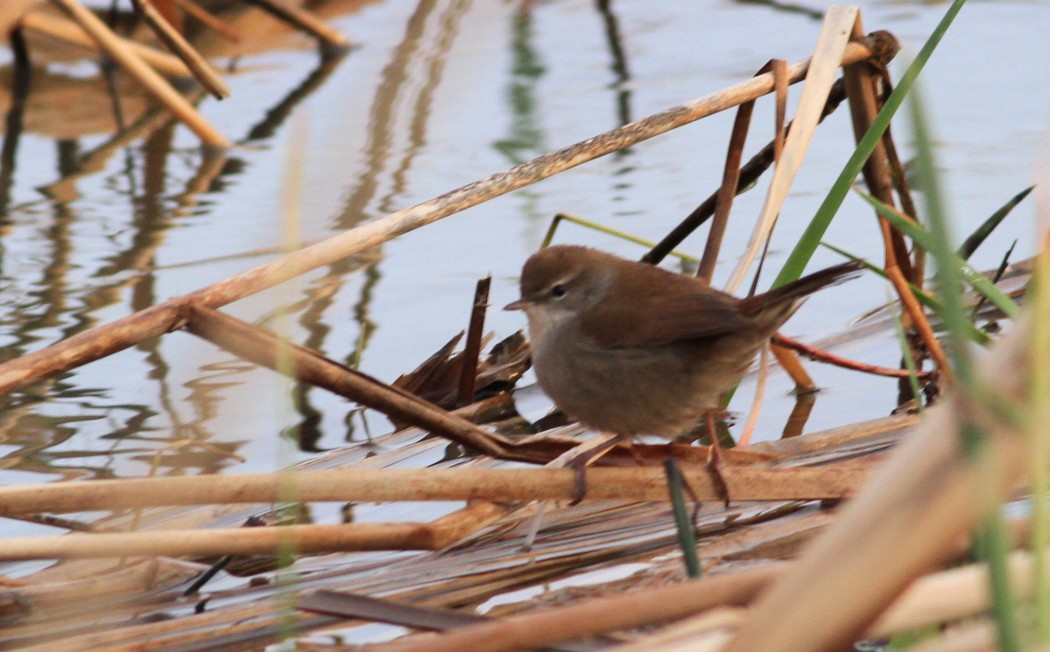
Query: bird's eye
[(558, 291)]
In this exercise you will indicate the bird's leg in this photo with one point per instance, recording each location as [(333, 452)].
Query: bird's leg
[(714, 458), (579, 457), (583, 456)]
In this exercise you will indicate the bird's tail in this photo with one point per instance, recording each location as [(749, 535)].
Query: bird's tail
[(779, 303)]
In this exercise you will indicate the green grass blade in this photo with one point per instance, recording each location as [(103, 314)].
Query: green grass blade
[(924, 297), (810, 240), (928, 240), (971, 243), (684, 523)]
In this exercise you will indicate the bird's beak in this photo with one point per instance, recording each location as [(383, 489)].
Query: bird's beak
[(516, 305)]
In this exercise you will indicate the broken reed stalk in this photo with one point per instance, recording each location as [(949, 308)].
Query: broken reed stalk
[(904, 521), (125, 332), (468, 373), (333, 41), (461, 483), (913, 314), (725, 194), (263, 348), (68, 31), (138, 69), (208, 19), (177, 43), (302, 539)]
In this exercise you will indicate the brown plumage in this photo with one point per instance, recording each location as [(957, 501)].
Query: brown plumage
[(632, 349)]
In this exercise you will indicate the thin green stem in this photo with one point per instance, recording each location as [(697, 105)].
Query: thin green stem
[(686, 536)]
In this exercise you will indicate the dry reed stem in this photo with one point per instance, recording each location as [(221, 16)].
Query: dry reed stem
[(138, 69), (68, 31), (210, 20), (789, 362), (463, 483), (913, 310), (760, 395), (468, 375), (905, 520), (202, 70), (302, 539), (782, 341), (888, 428), (860, 80), (599, 616), (903, 187), (828, 55), (306, 21), (128, 331), (727, 191), (261, 347), (780, 120), (299, 539)]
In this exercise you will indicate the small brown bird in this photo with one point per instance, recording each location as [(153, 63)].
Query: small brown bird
[(632, 349)]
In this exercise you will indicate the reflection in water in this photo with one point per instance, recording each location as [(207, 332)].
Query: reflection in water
[(619, 67), (406, 91), (58, 302), (525, 140), (437, 41), (619, 63), (418, 60), (59, 285), (280, 112), (19, 85)]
